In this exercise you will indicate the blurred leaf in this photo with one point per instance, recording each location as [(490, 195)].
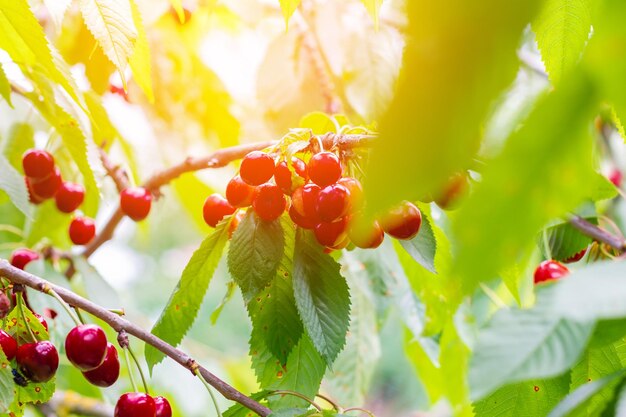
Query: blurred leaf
[(21, 138), (178, 7), (529, 180), (564, 240), (289, 412), (57, 9), (182, 307), (140, 59), (373, 7), (423, 247), (289, 7), (603, 189), (97, 288), (12, 182), (49, 225), (432, 127), (255, 252), (192, 192), (5, 87), (322, 296), (7, 390), (320, 123), (528, 398), (608, 332), (577, 401), (562, 30), (111, 24)]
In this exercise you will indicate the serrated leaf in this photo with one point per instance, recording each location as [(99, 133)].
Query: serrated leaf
[(5, 87), (18, 325), (322, 296), (564, 240), (562, 29), (288, 7), (57, 9), (140, 59), (36, 393), (13, 184), (255, 252), (21, 137), (182, 307), (7, 391), (423, 247), (580, 398), (373, 7), (111, 23)]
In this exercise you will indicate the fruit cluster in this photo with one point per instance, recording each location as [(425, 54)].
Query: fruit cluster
[(316, 195), (44, 181)]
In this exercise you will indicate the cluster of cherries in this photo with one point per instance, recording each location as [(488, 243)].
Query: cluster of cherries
[(87, 348), (316, 195), (551, 270)]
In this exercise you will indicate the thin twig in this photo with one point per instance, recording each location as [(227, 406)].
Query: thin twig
[(116, 172), (598, 233)]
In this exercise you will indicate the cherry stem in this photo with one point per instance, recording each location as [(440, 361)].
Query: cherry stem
[(130, 371), (80, 315), (67, 308), (329, 401), (297, 394), (138, 365), (369, 413), (211, 393), (20, 306)]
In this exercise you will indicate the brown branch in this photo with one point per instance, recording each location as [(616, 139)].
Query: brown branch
[(119, 324), (598, 233), (116, 172)]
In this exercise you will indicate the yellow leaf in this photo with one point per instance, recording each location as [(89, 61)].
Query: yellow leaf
[(140, 60), (178, 7), (288, 6)]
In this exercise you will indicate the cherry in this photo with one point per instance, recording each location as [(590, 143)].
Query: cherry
[(332, 202), (549, 271), (402, 222), (284, 176), (576, 257), (356, 191), (364, 233), (136, 202), (331, 234), (116, 89), (86, 346), (215, 209), (256, 168), (324, 168), (41, 320), (8, 344), (163, 408), (22, 257), (615, 176), (38, 361), (50, 313), (238, 193), (453, 191), (32, 197), (106, 374), (69, 197), (300, 220), (5, 305), (304, 199), (135, 404), (47, 187), (82, 230), (37, 164), (269, 202)]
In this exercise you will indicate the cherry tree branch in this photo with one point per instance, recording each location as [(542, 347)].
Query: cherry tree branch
[(121, 325), (598, 233)]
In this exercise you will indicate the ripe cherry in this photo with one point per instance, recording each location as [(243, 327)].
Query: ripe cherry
[(331, 234), (549, 271), (402, 222), (576, 257), (304, 199), (453, 191), (324, 168), (356, 191), (86, 346), (215, 209), (135, 404), (106, 374), (37, 164), (118, 90), (365, 233), (8, 344), (284, 176), (332, 202), (300, 220), (136, 202), (82, 230), (269, 202), (256, 168), (163, 408), (47, 187), (38, 361), (21, 257), (32, 197), (39, 317), (69, 197), (238, 193), (615, 176)]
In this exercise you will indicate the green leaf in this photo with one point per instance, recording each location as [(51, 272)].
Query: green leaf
[(526, 179), (182, 307), (238, 410), (230, 291), (289, 412), (12, 182), (431, 130), (273, 311), (255, 252), (373, 7), (191, 192), (565, 240), (36, 393), (322, 296), (111, 23), (528, 398), (562, 30), (17, 326), (423, 247), (140, 60), (320, 123), (579, 399), (21, 137), (289, 7), (7, 391), (5, 87), (603, 189)]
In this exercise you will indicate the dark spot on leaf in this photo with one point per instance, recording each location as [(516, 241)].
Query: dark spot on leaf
[(536, 388)]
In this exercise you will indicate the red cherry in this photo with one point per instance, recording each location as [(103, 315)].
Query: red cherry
[(38, 361), (304, 199), (41, 320), (37, 164), (238, 193), (364, 233), (284, 176), (136, 202), (615, 176), (135, 404), (332, 202), (86, 346), (21, 257), (331, 234), (32, 197), (269, 202), (82, 230), (300, 220), (576, 257), (50, 313), (215, 209), (324, 168), (549, 271), (256, 168), (454, 190), (356, 191), (47, 187), (106, 374), (115, 89), (69, 197), (163, 408), (402, 222), (8, 344)]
